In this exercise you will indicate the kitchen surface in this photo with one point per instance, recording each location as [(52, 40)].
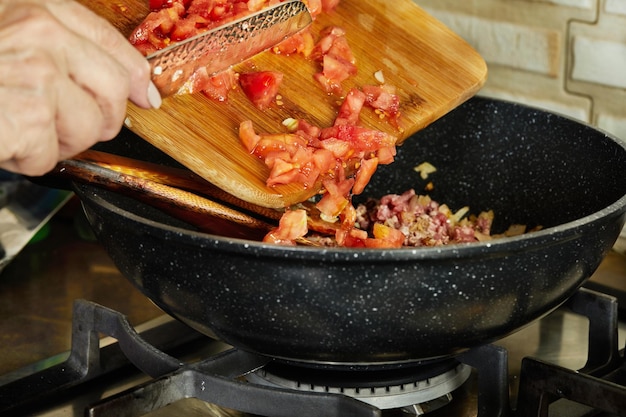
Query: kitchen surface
[(38, 287)]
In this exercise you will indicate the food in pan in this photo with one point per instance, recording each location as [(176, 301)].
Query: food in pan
[(393, 221)]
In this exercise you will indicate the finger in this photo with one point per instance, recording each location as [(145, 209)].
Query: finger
[(80, 121), (98, 73), (57, 118), (102, 33), (103, 78), (29, 144)]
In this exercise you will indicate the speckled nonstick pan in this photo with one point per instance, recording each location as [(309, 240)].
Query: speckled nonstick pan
[(346, 306)]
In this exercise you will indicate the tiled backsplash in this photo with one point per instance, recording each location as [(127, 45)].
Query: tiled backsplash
[(566, 56)]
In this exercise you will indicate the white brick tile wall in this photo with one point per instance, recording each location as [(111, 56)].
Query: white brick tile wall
[(566, 56), (599, 61), (508, 44), (615, 125), (615, 7), (583, 4)]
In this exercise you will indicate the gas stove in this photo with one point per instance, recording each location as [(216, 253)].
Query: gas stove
[(165, 368), (569, 363)]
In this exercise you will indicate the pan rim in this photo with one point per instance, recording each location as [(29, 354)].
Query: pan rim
[(496, 247)]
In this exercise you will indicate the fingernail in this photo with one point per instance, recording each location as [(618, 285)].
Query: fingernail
[(154, 97)]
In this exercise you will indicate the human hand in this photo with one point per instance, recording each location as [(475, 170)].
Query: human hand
[(65, 78)]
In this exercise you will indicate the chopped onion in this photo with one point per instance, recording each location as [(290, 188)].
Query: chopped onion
[(380, 77), (460, 214), (291, 124), (425, 169)]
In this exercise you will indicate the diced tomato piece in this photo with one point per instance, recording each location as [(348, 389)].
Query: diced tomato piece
[(256, 5), (334, 72), (323, 159), (338, 187), (384, 99), (332, 205), (364, 174), (329, 5), (248, 136), (309, 131), (292, 225), (359, 138), (156, 27), (217, 87), (300, 43), (187, 27), (279, 142), (385, 237), (350, 109), (261, 87), (339, 148), (338, 63), (157, 4), (326, 40), (314, 6), (341, 50), (220, 85), (336, 197), (386, 155)]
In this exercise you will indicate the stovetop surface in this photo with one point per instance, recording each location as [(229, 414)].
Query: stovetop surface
[(38, 288)]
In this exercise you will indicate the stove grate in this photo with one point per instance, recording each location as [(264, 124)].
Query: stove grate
[(545, 389)]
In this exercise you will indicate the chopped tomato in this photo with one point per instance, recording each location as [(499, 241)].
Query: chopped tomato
[(300, 43), (216, 87), (261, 87), (329, 5), (386, 155), (334, 72), (364, 174), (292, 225), (248, 136), (393, 236), (338, 62), (157, 4), (312, 154), (383, 99), (351, 108), (314, 6), (220, 85), (359, 138)]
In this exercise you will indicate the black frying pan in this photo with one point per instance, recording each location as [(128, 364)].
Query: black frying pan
[(346, 306)]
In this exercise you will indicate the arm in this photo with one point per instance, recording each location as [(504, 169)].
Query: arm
[(65, 78)]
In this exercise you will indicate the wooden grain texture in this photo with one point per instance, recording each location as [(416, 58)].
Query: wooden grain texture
[(432, 67)]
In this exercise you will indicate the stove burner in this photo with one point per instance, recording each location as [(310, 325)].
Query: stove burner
[(417, 389), (220, 379)]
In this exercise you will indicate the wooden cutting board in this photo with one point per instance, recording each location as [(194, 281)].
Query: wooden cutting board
[(433, 69)]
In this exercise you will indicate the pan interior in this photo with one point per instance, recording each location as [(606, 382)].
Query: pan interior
[(530, 167)]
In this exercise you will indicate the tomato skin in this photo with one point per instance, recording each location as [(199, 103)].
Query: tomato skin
[(261, 87)]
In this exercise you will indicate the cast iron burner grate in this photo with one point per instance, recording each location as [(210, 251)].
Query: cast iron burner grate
[(545, 389)]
